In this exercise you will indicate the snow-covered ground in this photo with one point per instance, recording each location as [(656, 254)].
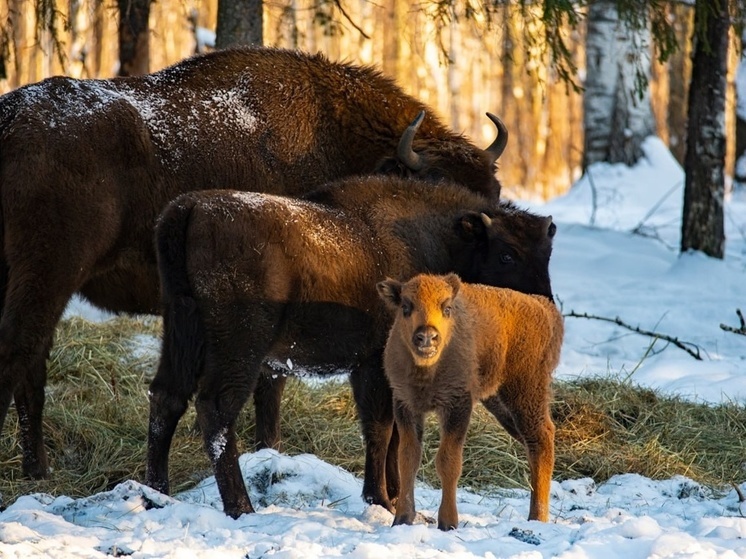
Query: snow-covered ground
[(599, 267)]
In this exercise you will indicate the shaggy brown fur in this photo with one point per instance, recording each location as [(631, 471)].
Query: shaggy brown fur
[(86, 166), (454, 344), (252, 278)]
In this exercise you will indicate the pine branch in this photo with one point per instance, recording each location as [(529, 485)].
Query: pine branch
[(741, 329), (619, 322)]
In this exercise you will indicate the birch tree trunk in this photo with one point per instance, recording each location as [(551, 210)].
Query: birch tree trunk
[(704, 187), (240, 22), (617, 115)]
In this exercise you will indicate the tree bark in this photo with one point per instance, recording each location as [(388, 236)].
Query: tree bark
[(704, 188), (134, 44), (617, 115), (740, 167), (679, 69), (240, 22)]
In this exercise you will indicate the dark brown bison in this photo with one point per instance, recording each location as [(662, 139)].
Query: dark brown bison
[(251, 278), (86, 166), (453, 344)]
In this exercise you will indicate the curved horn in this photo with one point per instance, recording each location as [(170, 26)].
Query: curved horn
[(405, 152), (496, 148)]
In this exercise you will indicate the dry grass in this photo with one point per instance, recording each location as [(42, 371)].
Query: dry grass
[(97, 408)]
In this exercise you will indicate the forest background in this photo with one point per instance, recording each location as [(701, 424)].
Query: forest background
[(451, 55)]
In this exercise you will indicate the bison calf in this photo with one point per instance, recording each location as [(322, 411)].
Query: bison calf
[(453, 344)]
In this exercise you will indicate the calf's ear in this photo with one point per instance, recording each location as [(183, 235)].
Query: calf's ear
[(473, 226), (455, 282), (390, 291)]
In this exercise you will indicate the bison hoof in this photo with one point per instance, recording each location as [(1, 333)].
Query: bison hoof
[(35, 470), (381, 502), (236, 512), (407, 519)]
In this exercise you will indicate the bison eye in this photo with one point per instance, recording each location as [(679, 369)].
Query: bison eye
[(447, 311), (505, 258), (406, 308)]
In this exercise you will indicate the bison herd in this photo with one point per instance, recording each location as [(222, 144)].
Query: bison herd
[(266, 202)]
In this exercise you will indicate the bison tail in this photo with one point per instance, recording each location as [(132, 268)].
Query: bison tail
[(182, 354)]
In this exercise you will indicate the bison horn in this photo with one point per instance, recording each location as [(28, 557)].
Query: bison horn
[(496, 148), (487, 220), (405, 152)]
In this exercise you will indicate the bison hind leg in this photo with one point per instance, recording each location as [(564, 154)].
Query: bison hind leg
[(525, 414), (267, 401)]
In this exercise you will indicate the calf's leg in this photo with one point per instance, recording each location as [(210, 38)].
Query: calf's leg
[(226, 387), (169, 399), (374, 405), (267, 401), (454, 422), (410, 428), (528, 406)]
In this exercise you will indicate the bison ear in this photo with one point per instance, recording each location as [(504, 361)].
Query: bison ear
[(473, 226), (549, 227), (390, 291), (455, 282)]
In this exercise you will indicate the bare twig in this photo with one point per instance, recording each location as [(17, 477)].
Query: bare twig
[(741, 329), (619, 322), (341, 9), (741, 496)]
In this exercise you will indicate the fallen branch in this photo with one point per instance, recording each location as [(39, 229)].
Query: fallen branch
[(619, 322), (740, 330)]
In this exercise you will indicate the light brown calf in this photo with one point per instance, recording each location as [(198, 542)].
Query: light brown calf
[(454, 344)]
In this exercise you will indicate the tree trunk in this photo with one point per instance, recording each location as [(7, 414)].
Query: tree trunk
[(617, 114), (134, 49), (740, 170), (679, 68), (704, 189), (240, 22)]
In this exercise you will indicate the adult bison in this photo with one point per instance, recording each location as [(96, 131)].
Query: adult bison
[(86, 166), (251, 278)]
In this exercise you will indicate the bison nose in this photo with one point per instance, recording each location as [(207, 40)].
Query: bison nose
[(425, 336)]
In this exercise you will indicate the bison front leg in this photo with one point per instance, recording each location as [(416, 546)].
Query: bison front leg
[(26, 331), (374, 405), (410, 428), (454, 422)]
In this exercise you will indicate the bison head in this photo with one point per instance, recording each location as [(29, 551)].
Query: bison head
[(511, 248), (441, 159), (424, 308)]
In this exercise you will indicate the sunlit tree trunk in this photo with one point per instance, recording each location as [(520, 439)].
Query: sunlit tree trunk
[(704, 191), (134, 49), (679, 72), (618, 115), (240, 22)]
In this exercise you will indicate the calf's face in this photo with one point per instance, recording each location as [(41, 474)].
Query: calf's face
[(424, 313)]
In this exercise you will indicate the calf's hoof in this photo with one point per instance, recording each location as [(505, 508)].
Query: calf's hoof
[(236, 511), (404, 518), (35, 469)]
